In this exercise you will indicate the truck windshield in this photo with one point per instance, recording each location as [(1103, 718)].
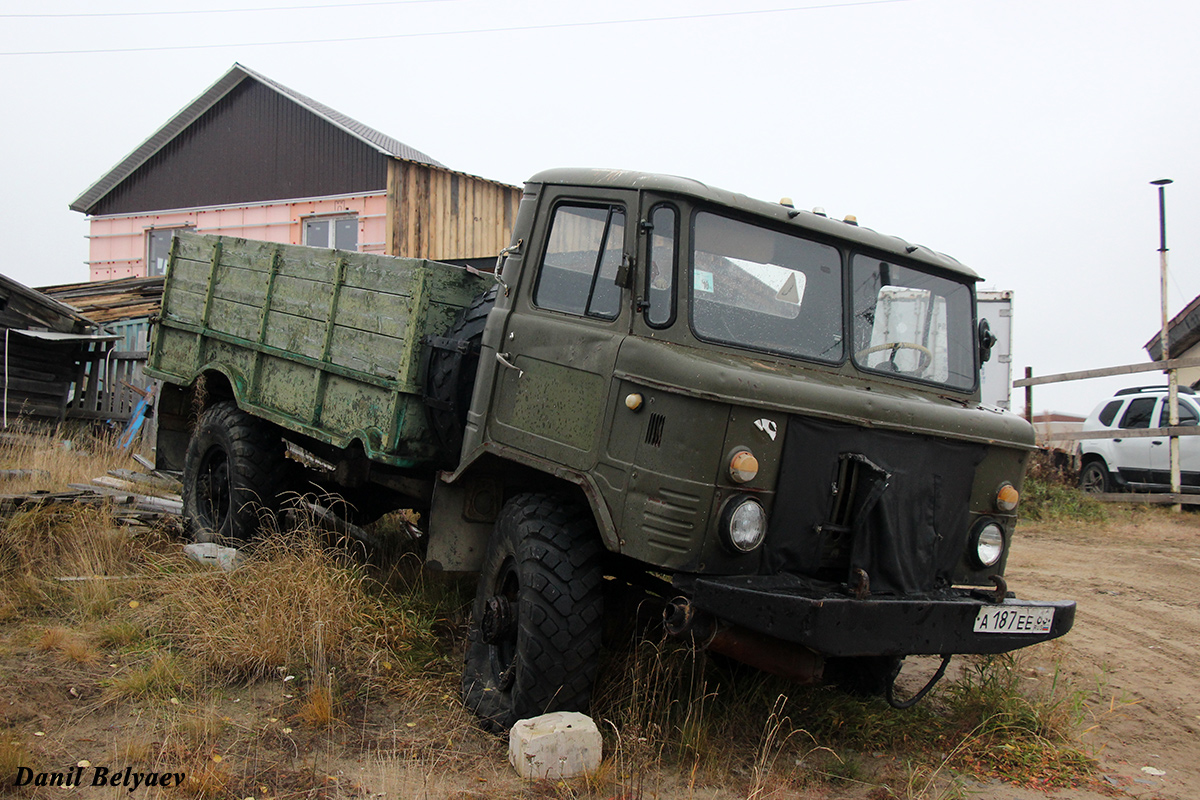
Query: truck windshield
[(761, 288), (912, 323)]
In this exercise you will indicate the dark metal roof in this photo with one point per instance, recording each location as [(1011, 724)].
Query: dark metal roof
[(384, 144)]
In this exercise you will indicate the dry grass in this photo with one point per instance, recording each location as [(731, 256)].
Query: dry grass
[(335, 657), (68, 645), (57, 457)]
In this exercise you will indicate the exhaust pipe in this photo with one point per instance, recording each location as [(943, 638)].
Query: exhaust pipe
[(759, 650)]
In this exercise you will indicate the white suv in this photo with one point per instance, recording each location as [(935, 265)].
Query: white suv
[(1125, 463)]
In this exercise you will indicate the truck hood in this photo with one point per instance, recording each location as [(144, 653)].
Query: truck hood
[(814, 391)]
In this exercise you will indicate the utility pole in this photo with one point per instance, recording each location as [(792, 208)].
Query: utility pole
[(1172, 379)]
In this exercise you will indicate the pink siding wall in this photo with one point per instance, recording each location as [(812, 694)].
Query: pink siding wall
[(118, 243)]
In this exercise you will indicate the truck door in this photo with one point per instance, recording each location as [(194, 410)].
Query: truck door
[(569, 315)]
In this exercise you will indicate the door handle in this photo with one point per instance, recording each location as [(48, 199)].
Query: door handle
[(503, 359), (1156, 442)]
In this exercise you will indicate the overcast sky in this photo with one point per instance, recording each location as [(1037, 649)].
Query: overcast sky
[(1019, 136)]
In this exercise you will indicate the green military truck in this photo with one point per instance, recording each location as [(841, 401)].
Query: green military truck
[(766, 418)]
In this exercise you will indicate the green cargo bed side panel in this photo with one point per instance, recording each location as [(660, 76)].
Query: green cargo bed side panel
[(323, 342)]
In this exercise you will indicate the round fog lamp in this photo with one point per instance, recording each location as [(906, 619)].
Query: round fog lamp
[(989, 544), (745, 524)]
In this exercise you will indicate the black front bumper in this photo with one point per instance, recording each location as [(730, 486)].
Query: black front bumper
[(833, 624)]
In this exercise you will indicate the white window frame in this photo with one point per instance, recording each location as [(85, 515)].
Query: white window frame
[(151, 271), (330, 239)]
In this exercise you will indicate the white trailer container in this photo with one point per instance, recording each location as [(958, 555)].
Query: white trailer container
[(996, 374)]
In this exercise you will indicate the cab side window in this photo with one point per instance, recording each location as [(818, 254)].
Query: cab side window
[(583, 254), (1139, 413), (660, 274)]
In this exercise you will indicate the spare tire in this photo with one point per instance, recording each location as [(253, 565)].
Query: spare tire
[(453, 360)]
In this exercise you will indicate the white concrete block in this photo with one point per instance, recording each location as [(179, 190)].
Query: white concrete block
[(227, 558), (558, 745)]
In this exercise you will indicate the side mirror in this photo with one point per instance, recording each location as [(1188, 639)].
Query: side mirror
[(987, 340)]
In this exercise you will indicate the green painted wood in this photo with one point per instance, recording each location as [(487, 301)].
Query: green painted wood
[(329, 331), (208, 294), (264, 315), (322, 342)]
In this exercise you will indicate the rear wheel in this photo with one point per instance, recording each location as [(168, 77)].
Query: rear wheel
[(537, 621), (232, 475), (1093, 478)]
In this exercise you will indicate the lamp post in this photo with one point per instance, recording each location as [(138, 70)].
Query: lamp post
[(1172, 380)]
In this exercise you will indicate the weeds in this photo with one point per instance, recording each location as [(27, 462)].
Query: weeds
[(355, 633), (1050, 494)]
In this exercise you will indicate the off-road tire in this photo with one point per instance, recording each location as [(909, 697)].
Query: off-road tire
[(1093, 478), (450, 379), (545, 558), (233, 474)]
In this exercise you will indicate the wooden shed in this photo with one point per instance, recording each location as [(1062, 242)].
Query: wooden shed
[(53, 360), (253, 158)]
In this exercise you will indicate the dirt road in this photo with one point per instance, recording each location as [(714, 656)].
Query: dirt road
[(1135, 645)]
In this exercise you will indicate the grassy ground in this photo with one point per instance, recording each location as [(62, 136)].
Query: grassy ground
[(316, 669)]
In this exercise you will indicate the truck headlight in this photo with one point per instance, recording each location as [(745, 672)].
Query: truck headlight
[(987, 543), (743, 523)]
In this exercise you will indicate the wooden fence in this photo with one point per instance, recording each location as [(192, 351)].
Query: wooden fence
[(1170, 432), (108, 384)]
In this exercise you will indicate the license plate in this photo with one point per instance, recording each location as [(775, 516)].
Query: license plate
[(1014, 619)]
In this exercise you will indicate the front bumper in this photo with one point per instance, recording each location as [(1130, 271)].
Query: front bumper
[(833, 624)]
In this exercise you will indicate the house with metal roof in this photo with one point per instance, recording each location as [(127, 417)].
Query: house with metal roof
[(1183, 336), (253, 158)]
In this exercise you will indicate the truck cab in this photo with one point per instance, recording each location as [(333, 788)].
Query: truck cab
[(777, 410)]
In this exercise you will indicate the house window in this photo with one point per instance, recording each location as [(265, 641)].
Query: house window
[(337, 232), (158, 250)]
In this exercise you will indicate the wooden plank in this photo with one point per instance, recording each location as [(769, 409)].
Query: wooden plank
[(1126, 369), (1128, 433), (1163, 499), (139, 501), (293, 334), (155, 480), (393, 199), (122, 485)]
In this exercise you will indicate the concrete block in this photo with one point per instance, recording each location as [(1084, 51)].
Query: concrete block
[(558, 745), (227, 558)]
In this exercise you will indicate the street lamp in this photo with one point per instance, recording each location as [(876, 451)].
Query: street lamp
[(1172, 381)]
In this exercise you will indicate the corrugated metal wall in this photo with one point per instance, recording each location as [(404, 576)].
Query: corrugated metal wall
[(253, 145), (439, 214)]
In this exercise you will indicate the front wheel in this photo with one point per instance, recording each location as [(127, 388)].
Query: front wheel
[(537, 620), (1093, 479)]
